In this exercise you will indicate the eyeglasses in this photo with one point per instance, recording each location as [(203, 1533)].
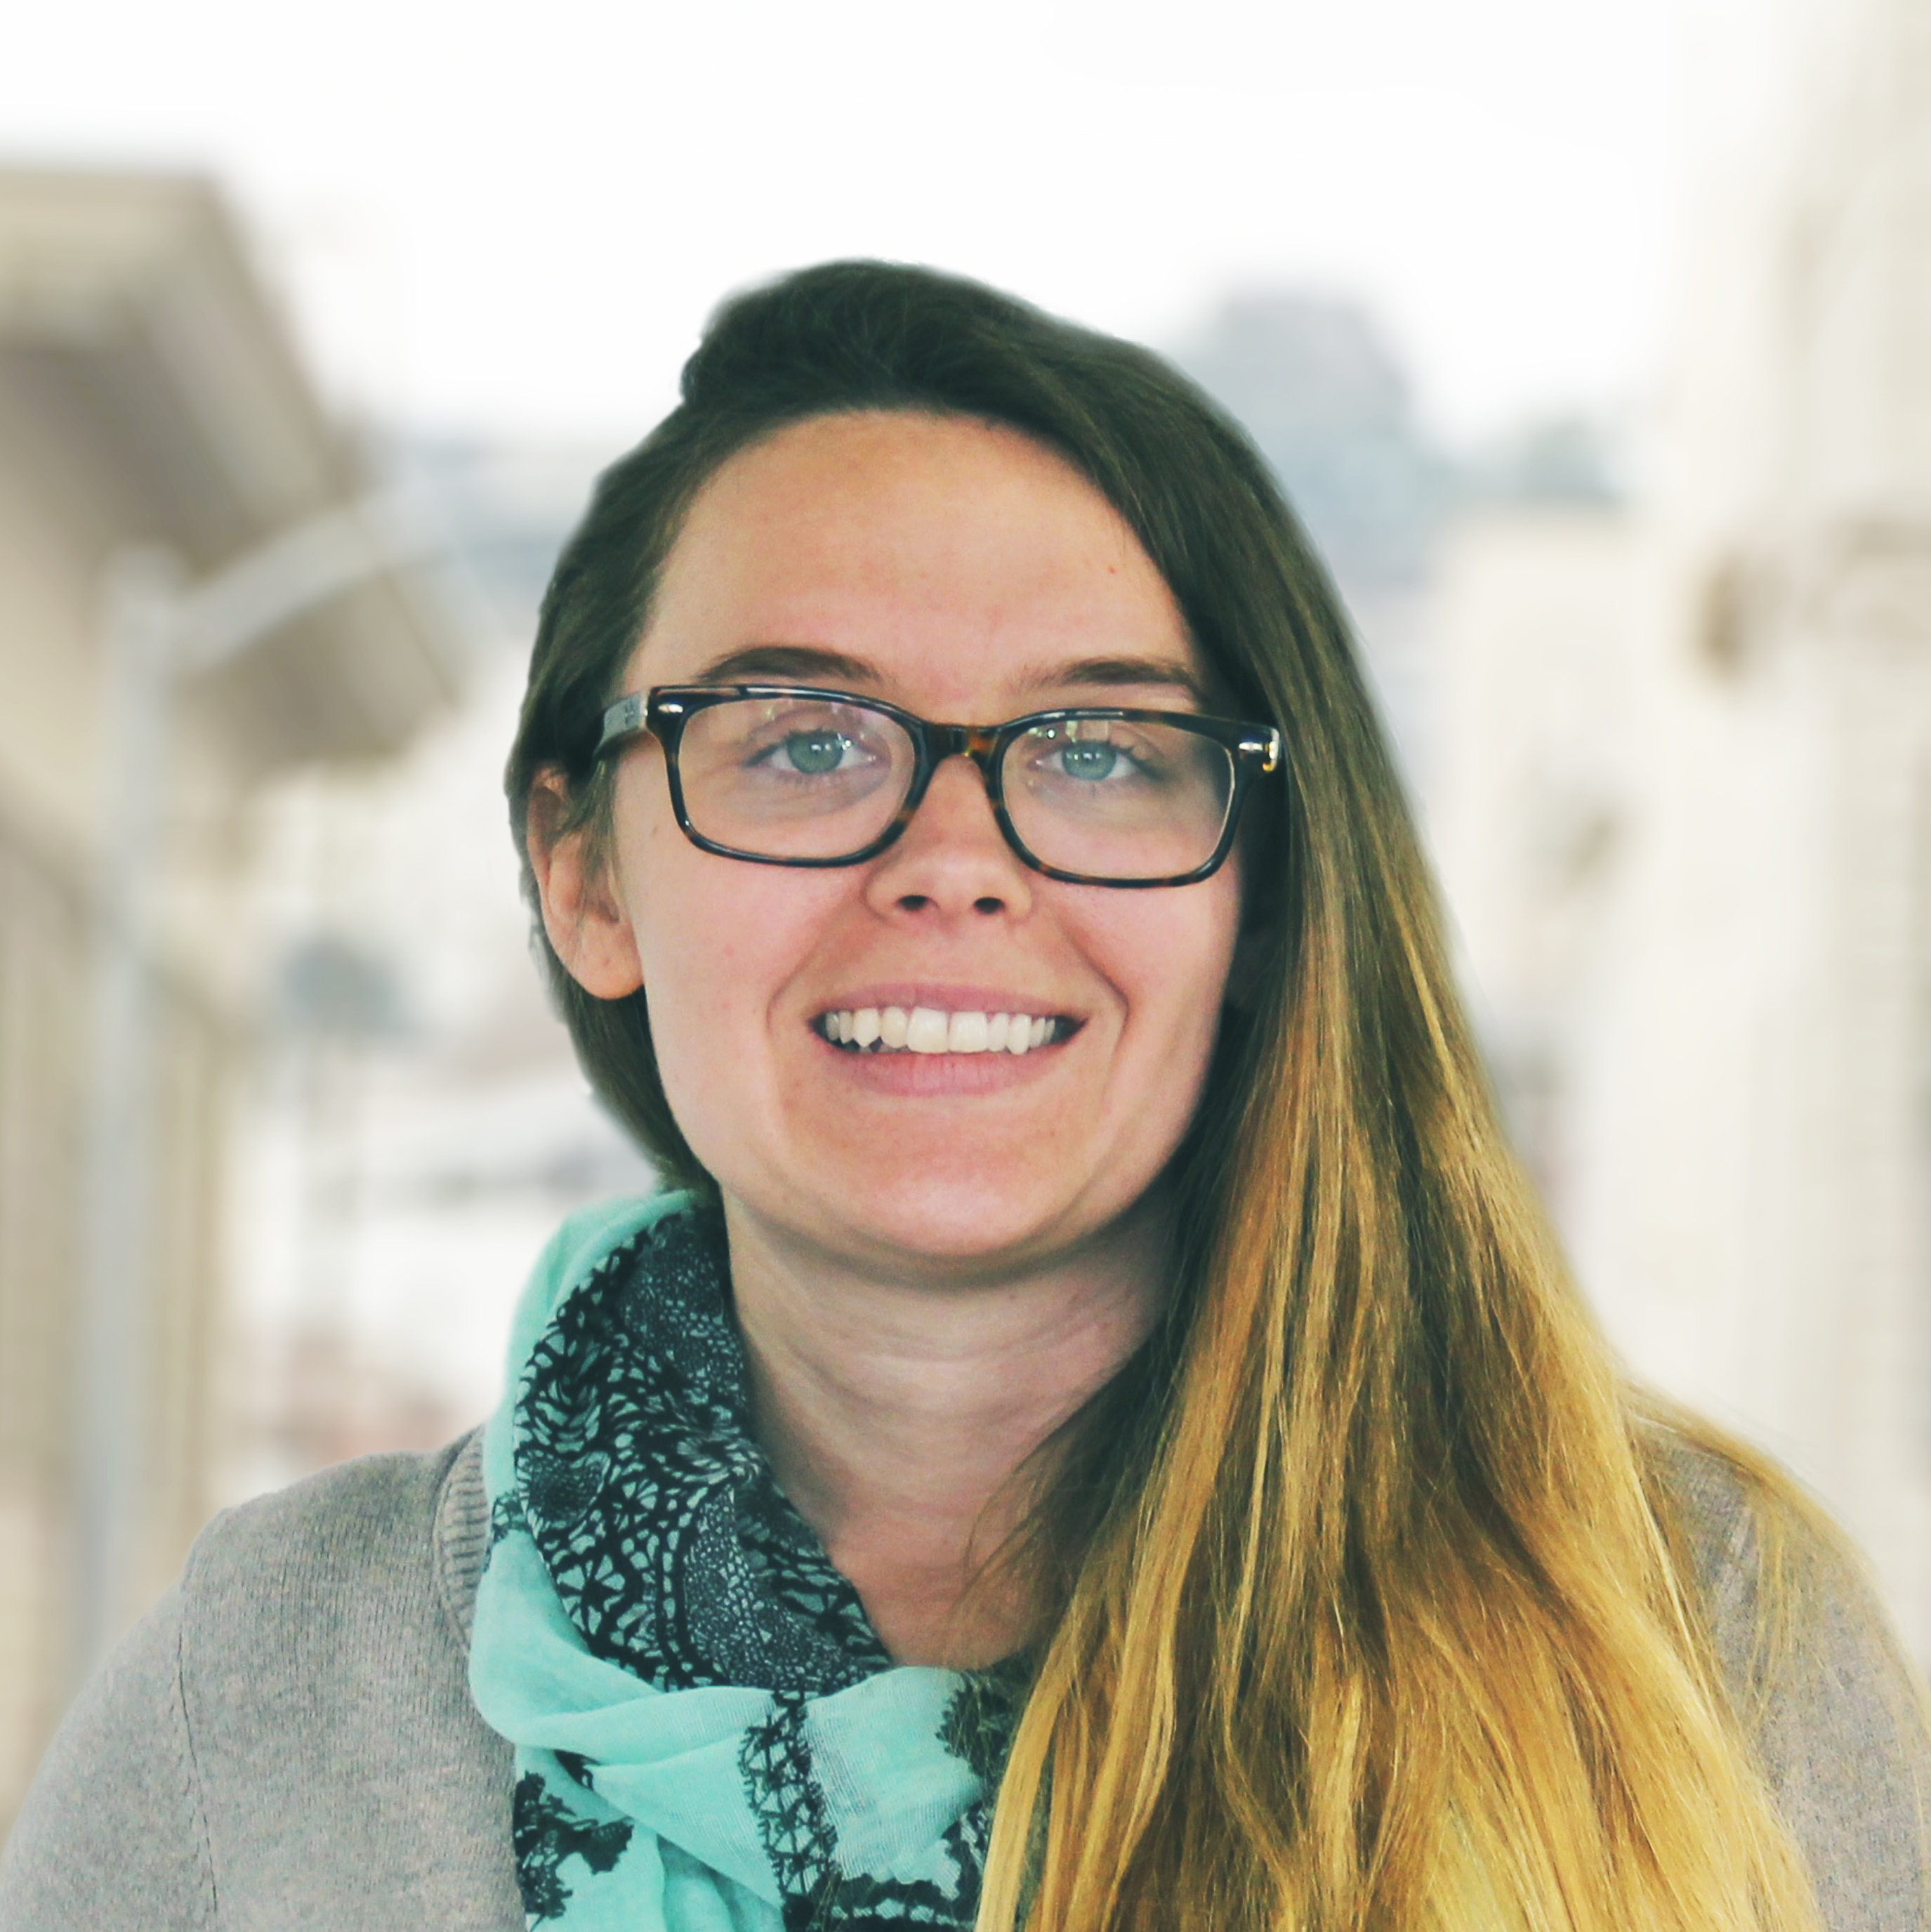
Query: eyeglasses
[(784, 774)]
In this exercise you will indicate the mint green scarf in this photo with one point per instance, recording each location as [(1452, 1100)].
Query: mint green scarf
[(708, 1733)]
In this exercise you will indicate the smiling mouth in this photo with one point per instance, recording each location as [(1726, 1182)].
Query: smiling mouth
[(929, 1030)]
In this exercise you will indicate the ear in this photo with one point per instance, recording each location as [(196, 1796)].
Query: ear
[(588, 927)]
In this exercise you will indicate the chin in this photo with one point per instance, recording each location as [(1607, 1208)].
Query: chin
[(956, 1223)]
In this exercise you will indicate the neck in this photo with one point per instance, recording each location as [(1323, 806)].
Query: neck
[(897, 1414)]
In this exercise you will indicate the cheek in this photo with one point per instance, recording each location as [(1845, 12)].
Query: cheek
[(1184, 943), (700, 972), (719, 942), (1171, 957)]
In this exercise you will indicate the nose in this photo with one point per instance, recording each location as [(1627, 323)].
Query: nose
[(951, 860)]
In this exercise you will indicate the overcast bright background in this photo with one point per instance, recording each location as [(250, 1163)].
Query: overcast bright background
[(510, 221), (500, 230)]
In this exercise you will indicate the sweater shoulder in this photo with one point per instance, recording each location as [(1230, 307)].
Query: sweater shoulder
[(1834, 1708), (113, 1832), (288, 1738), (1772, 1572), (336, 1597), (369, 1521), (324, 1678)]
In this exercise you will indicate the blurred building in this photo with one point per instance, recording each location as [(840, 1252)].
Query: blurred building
[(418, 1126), (1684, 807), (1328, 403), (148, 396)]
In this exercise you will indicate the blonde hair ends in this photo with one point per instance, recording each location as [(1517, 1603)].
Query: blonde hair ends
[(1388, 1628)]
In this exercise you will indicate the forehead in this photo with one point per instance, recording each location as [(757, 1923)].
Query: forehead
[(949, 553)]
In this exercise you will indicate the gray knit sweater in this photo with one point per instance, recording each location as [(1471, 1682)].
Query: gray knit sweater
[(286, 1741)]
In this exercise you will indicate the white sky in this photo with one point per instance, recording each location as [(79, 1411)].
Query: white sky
[(513, 220)]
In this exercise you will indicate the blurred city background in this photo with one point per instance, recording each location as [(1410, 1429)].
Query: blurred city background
[(1592, 343)]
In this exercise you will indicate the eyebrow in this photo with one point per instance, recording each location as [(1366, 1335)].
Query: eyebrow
[(813, 663), (1104, 673), (802, 664)]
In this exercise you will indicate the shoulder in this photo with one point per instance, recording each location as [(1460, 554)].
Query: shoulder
[(290, 1731), (1821, 1685), (1716, 1504), (380, 1542), (324, 1666), (112, 1831), (1781, 1588)]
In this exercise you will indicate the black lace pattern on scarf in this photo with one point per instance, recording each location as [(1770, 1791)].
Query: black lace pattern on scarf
[(543, 1834), (675, 1553)]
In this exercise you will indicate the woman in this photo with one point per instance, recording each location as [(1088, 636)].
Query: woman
[(1100, 1437)]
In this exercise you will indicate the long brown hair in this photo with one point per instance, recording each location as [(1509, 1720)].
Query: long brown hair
[(1373, 1617)]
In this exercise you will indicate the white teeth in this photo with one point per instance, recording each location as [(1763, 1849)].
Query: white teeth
[(928, 1029), (966, 1032)]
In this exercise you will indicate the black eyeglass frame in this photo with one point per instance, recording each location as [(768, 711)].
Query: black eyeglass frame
[(664, 710)]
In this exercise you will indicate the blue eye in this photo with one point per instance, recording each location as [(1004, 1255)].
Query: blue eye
[(1089, 761), (815, 753)]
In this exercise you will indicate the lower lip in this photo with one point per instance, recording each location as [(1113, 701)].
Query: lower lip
[(933, 1075)]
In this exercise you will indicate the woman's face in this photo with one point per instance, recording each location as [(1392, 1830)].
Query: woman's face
[(960, 571)]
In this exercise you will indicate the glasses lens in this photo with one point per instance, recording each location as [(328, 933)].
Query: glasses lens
[(1117, 798), (793, 778)]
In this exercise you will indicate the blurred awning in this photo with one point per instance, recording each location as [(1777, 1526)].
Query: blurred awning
[(151, 393)]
